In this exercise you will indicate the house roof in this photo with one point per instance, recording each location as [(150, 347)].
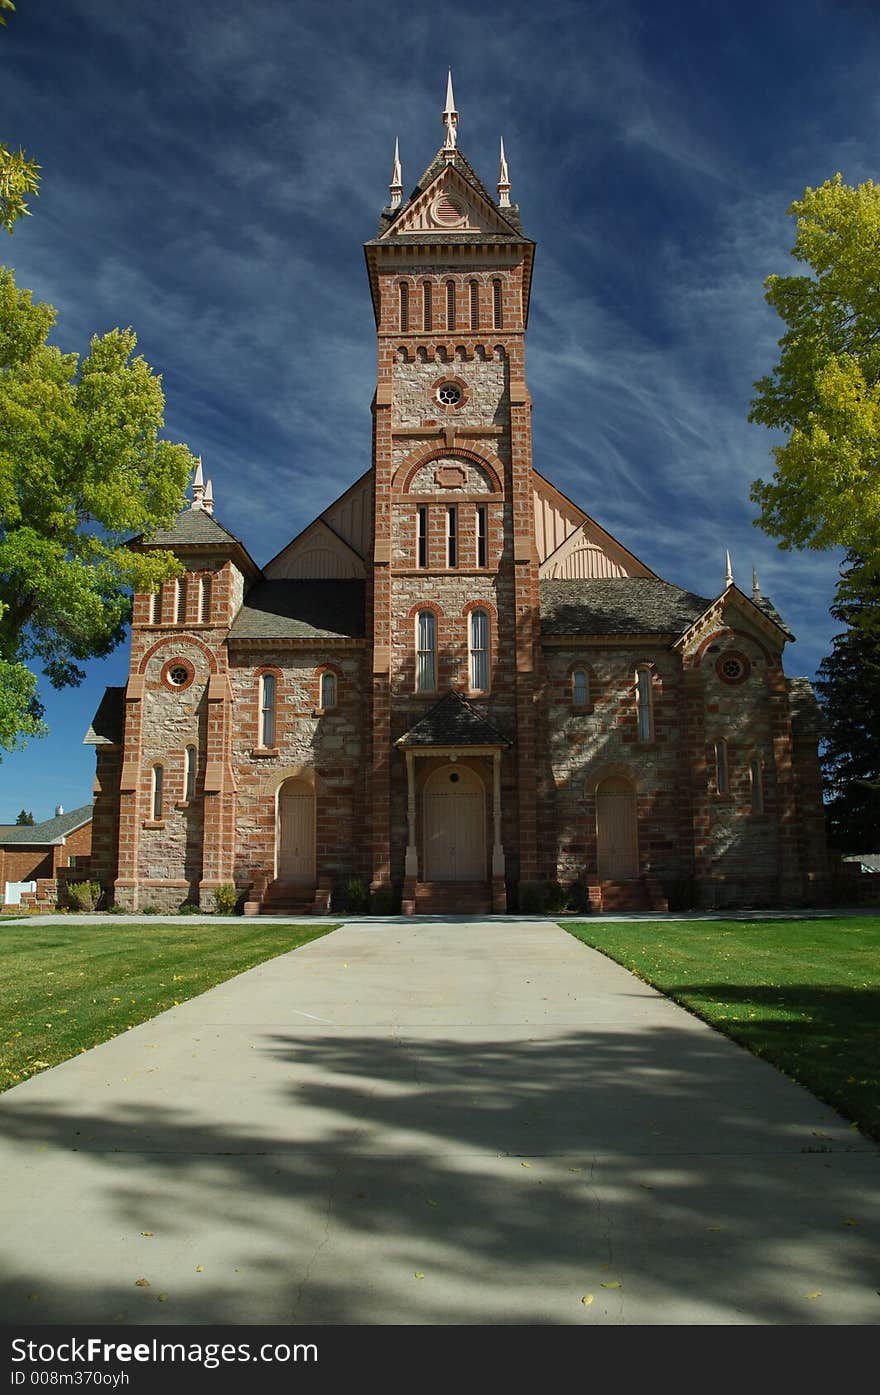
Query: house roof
[(107, 723), (196, 528), (807, 718), (452, 722), (617, 605), (49, 831), (298, 609), (462, 165)]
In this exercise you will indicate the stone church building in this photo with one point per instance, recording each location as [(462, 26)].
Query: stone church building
[(454, 683)]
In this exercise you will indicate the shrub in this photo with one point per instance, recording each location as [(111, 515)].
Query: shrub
[(532, 898), (84, 895), (225, 899), (116, 909), (188, 908), (356, 897), (150, 910), (557, 898), (383, 901)]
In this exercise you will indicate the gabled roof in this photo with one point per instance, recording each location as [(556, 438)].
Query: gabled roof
[(50, 830), (199, 529), (761, 611), (627, 605), (298, 609), (107, 723), (452, 722)]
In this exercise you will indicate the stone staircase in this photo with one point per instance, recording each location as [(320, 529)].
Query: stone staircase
[(287, 898), (639, 894), (453, 898)]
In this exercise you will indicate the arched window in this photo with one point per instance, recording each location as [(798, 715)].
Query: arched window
[(189, 786), (180, 602), (267, 709), (404, 307), (644, 703), (756, 779), (450, 305), (722, 783), (580, 688), (328, 689), (496, 305), (479, 651), (156, 793), (204, 599), (155, 607), (427, 307), (426, 651), (474, 293)]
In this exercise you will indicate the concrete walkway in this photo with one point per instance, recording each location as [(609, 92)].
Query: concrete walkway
[(432, 1123)]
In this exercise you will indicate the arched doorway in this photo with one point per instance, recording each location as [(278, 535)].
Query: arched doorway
[(617, 844), (296, 833), (454, 826)]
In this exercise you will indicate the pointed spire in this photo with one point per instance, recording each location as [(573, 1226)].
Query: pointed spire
[(728, 579), (396, 186), (756, 589), (208, 501), (503, 180), (198, 485), (450, 120)]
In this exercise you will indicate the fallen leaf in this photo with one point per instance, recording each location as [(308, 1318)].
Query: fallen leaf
[(612, 1283), (817, 1294), (147, 1232), (713, 1227), (587, 1299), (605, 1266), (525, 1164), (646, 1186), (418, 1274), (200, 1268), (850, 1222), (163, 1297), (429, 1202), (142, 1283)]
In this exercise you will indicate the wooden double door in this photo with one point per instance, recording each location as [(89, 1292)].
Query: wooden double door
[(454, 826)]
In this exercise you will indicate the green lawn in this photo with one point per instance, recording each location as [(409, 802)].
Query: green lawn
[(66, 987), (804, 994)]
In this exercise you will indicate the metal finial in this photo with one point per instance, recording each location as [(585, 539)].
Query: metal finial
[(396, 185), (728, 579), (503, 180)]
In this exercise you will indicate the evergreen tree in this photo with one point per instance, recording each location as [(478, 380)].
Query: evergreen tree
[(849, 688), (25, 819)]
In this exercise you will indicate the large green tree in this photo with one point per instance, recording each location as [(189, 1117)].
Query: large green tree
[(849, 688), (82, 468), (19, 176), (825, 391)]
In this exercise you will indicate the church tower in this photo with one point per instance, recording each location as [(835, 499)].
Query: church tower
[(453, 592)]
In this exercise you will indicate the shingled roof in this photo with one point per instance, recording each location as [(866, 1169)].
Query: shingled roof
[(49, 831), (452, 722), (107, 723), (628, 605), (297, 609), (807, 718), (465, 169), (193, 526)]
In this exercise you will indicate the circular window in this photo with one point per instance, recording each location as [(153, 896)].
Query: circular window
[(732, 668), (454, 778), (178, 673), (449, 394)]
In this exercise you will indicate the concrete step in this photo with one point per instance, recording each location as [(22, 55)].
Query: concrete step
[(453, 898)]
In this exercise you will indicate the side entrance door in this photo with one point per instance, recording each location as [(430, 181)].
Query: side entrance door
[(617, 848), (296, 833)]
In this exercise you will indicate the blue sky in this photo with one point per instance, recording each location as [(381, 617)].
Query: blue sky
[(210, 174)]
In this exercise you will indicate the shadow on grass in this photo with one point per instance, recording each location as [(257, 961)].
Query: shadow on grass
[(828, 1038), (663, 1161)]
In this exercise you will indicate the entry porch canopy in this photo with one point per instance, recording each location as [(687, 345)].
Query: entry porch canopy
[(452, 727)]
